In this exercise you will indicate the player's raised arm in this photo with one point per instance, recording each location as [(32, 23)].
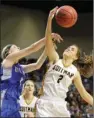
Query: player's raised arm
[(51, 52), (26, 51), (84, 94), (11, 53), (37, 65)]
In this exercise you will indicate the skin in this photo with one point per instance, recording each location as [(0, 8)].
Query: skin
[(69, 56), (27, 94), (15, 54), (29, 88)]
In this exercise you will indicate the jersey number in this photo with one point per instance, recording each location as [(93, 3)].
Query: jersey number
[(60, 78)]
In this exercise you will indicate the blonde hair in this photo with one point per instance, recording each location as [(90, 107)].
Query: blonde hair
[(5, 51)]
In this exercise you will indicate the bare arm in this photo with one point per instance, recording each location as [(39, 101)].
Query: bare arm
[(37, 65), (14, 57), (25, 52), (84, 94), (51, 52)]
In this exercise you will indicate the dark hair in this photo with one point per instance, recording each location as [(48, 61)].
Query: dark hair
[(28, 80), (84, 62), (83, 59), (5, 51)]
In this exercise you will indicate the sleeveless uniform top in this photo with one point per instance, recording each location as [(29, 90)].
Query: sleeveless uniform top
[(58, 79), (13, 76), (24, 107)]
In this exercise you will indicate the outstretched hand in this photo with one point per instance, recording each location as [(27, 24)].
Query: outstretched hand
[(52, 12), (56, 37)]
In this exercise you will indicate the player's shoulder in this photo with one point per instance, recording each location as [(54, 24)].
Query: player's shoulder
[(5, 71), (74, 68), (59, 61), (7, 63), (35, 97), (21, 97), (77, 73), (52, 63)]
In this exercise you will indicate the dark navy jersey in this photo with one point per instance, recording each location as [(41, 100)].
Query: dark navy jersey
[(14, 79)]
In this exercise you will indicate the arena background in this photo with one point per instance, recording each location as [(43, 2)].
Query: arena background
[(23, 23)]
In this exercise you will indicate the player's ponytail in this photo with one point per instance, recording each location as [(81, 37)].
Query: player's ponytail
[(84, 63)]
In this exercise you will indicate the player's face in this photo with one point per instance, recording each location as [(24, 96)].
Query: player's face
[(29, 87), (71, 52), (14, 48)]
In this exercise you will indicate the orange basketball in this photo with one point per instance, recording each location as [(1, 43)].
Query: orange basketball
[(66, 16)]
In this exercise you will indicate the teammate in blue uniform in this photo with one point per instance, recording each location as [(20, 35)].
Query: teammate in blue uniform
[(9, 104), (13, 73), (13, 84)]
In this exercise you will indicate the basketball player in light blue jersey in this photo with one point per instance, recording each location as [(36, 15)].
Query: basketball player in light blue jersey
[(15, 72), (60, 75)]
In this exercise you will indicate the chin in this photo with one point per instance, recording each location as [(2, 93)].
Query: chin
[(65, 55)]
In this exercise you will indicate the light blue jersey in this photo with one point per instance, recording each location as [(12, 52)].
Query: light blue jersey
[(13, 87)]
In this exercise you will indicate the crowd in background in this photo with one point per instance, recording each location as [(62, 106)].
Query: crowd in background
[(76, 105)]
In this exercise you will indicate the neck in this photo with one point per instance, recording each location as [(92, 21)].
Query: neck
[(28, 96), (67, 61)]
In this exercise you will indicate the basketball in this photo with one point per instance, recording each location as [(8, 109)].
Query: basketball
[(66, 16)]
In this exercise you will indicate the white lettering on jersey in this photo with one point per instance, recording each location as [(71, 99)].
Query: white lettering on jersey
[(24, 107), (58, 79)]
